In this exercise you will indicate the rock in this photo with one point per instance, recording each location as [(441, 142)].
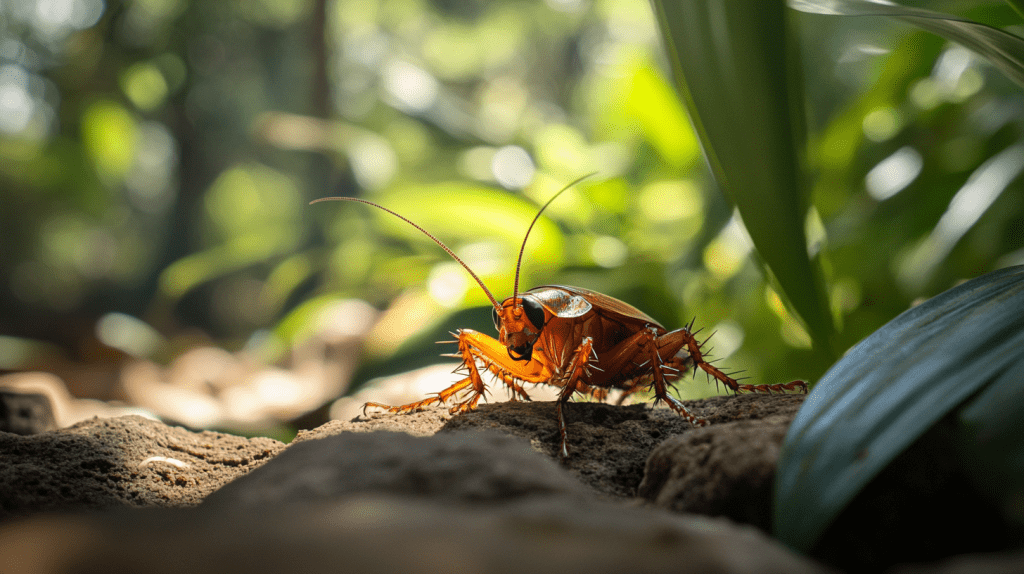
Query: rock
[(423, 423), (66, 409), (25, 413), (387, 533), (608, 444), (726, 469), (336, 499), (451, 467), (123, 461), (990, 563), (386, 502)]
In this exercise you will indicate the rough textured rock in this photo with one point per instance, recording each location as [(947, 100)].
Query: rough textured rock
[(726, 469), (474, 467), (383, 502), (609, 445), (395, 534), (423, 423), (25, 413), (991, 563), (341, 499), (124, 461)]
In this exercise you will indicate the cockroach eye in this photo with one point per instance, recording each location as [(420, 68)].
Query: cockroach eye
[(534, 312), (495, 318)]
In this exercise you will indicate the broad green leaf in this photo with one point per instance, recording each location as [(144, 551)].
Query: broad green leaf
[(891, 388), (738, 73), (1004, 50)]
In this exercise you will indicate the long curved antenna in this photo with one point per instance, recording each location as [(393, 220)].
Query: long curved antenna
[(519, 262), (425, 232)]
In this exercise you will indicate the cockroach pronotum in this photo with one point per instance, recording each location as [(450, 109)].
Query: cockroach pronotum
[(572, 338)]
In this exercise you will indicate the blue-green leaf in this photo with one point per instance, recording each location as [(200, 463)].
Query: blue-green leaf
[(891, 388)]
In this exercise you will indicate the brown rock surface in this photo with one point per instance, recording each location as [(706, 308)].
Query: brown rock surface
[(726, 469), (609, 445), (463, 466), (344, 497), (123, 461), (387, 533), (386, 502)]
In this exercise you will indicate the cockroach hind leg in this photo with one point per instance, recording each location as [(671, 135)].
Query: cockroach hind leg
[(417, 406), (780, 388), (678, 406)]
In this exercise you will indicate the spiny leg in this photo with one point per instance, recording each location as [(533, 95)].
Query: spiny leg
[(693, 347), (476, 347), (472, 379), (440, 398), (651, 345), (642, 357), (573, 372), (511, 381)]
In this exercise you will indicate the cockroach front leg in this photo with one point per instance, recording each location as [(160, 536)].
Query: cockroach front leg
[(474, 348), (571, 376)]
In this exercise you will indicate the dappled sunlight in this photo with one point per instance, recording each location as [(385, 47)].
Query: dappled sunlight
[(982, 189), (208, 387), (894, 173), (727, 253), (157, 159)]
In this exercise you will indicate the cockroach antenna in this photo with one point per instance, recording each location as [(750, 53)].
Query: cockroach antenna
[(522, 249), (425, 232)]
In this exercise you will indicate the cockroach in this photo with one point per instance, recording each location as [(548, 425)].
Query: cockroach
[(572, 338)]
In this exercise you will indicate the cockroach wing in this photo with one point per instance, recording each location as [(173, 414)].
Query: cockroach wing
[(606, 305), (561, 302)]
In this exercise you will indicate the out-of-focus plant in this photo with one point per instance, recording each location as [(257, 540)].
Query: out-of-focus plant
[(739, 72), (956, 357), (959, 352), (168, 179)]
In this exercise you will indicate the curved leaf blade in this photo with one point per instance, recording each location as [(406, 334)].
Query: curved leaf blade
[(1004, 50), (738, 74), (887, 391)]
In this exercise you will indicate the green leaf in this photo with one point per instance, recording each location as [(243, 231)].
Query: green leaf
[(1004, 50), (738, 73), (891, 388)]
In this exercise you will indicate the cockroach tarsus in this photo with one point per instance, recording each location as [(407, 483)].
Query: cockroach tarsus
[(577, 340)]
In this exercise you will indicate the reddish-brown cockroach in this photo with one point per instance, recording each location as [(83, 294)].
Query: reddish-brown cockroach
[(575, 339)]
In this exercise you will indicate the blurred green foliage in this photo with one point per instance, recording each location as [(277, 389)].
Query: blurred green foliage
[(156, 157)]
